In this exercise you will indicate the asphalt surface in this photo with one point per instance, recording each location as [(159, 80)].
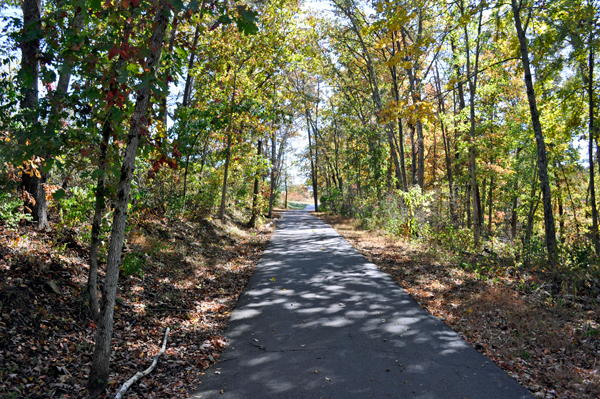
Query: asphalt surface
[(317, 320)]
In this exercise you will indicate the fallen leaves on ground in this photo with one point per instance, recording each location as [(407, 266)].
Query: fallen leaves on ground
[(548, 342), (190, 277)]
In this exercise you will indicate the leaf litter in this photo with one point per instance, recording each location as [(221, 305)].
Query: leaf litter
[(191, 276), (549, 342)]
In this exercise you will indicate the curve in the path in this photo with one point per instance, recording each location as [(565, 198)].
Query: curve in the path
[(317, 320)]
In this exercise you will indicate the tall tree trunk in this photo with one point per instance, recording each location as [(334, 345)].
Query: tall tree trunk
[(312, 161), (561, 212), (400, 146), (420, 155), (472, 150), (99, 371), (185, 103), (468, 204), (490, 204), (534, 201), (542, 161), (30, 51), (163, 113), (92, 284), (99, 206), (448, 159), (592, 137), (285, 204), (376, 94), (513, 218), (252, 222), (273, 172), (413, 150), (221, 214)]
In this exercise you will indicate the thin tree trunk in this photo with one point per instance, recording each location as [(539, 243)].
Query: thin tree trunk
[(468, 204), (542, 161), (394, 74), (163, 103), (221, 214), (561, 213), (99, 371), (252, 222), (533, 205), (592, 137), (442, 111), (273, 172), (99, 207), (413, 150), (490, 204), (92, 284), (472, 150), (285, 205), (312, 163)]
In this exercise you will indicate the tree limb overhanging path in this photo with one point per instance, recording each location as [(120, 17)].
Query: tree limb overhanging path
[(318, 320)]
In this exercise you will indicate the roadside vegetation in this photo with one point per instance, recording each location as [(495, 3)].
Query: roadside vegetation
[(548, 340)]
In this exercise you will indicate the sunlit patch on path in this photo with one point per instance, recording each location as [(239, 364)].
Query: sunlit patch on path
[(318, 320)]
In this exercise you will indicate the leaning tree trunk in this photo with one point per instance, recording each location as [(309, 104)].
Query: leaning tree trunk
[(542, 161), (99, 370)]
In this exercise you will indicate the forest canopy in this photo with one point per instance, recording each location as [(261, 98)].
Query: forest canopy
[(470, 125)]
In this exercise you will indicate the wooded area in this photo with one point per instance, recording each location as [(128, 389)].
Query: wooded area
[(467, 125)]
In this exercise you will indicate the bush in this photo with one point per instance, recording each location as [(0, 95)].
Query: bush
[(11, 210), (133, 263), (406, 214)]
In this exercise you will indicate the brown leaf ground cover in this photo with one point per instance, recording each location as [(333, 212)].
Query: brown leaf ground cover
[(179, 274), (547, 341)]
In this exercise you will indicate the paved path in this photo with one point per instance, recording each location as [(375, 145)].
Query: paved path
[(317, 320)]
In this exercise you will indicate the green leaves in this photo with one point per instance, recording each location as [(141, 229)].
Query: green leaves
[(246, 21), (59, 194)]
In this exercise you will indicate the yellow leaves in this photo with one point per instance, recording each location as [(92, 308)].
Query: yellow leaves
[(30, 167), (50, 189)]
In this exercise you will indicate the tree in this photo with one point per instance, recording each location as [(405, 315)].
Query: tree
[(542, 161), (33, 178), (98, 378)]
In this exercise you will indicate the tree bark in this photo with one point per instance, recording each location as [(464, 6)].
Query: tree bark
[(442, 111), (34, 182), (92, 284), (592, 138), (221, 214), (252, 222), (273, 172), (472, 150), (99, 370), (542, 161), (312, 162)]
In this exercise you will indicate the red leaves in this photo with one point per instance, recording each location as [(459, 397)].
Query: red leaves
[(113, 52), (156, 165)]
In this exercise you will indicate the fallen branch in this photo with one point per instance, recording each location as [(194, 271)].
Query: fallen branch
[(141, 374)]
